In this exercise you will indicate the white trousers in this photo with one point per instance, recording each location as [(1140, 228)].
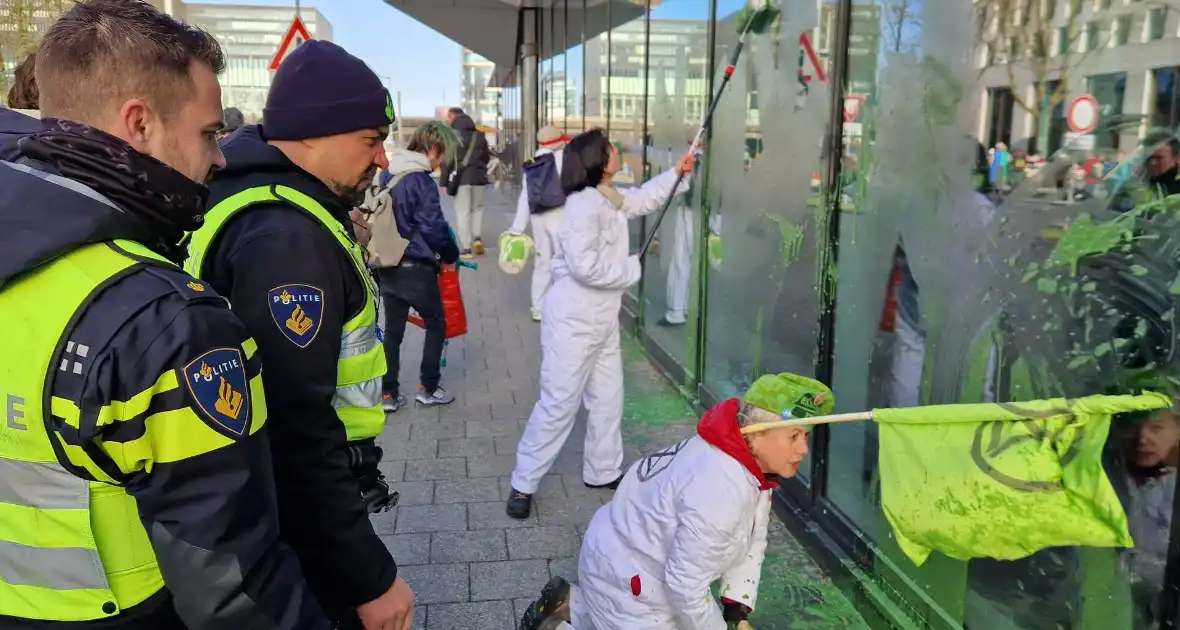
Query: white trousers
[(581, 363), (545, 226), (680, 268), (469, 214)]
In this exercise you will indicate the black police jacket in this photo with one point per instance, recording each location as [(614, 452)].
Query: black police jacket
[(211, 519), (268, 246)]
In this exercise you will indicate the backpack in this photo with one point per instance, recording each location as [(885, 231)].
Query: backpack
[(386, 245), (543, 184)]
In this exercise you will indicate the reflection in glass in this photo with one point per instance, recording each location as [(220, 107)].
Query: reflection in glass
[(972, 272)]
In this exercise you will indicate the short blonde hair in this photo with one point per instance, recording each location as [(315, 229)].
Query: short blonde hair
[(749, 415)]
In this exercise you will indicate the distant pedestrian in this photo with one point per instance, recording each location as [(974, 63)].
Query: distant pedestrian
[(464, 178)]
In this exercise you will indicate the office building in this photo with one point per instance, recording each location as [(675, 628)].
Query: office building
[(475, 97)]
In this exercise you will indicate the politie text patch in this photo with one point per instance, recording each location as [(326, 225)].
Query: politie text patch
[(297, 310), (217, 381)]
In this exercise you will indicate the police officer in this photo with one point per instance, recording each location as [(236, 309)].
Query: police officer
[(133, 450), (279, 243)]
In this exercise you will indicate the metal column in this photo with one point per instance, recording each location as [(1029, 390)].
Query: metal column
[(528, 81)]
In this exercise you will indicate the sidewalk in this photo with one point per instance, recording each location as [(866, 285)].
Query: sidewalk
[(473, 567)]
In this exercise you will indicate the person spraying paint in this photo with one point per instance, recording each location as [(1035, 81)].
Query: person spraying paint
[(687, 516), (580, 354)]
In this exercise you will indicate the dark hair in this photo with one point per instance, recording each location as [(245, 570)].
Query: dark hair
[(1156, 138), (584, 160), (455, 110), (103, 52), (23, 93)]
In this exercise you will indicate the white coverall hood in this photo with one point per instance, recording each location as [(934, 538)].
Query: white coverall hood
[(404, 161)]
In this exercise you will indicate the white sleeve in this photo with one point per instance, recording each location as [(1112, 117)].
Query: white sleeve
[(522, 212), (651, 195), (702, 533), (740, 584), (587, 252)]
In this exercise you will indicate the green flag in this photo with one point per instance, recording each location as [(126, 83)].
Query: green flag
[(1002, 480)]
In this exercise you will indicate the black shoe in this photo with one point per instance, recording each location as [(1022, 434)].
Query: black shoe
[(552, 606), (667, 324), (614, 485), (519, 505)]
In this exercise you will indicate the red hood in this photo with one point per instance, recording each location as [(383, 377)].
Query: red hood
[(719, 427)]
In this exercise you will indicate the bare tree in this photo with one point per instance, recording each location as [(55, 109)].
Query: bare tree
[(22, 23), (902, 23), (1045, 42)]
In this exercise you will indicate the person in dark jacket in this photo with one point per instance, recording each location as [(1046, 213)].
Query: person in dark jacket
[(159, 512), (22, 95), (414, 282), (470, 166), (278, 241)]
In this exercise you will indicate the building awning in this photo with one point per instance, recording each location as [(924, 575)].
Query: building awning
[(489, 27)]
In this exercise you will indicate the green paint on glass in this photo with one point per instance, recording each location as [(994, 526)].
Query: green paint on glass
[(792, 238), (1083, 237)]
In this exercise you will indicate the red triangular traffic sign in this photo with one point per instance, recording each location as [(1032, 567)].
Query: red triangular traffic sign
[(296, 35)]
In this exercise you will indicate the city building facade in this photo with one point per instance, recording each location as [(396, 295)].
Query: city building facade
[(476, 97)]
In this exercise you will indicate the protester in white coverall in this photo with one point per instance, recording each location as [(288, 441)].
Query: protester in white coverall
[(688, 516), (581, 360), (545, 224)]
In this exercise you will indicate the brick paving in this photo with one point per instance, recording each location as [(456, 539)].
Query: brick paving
[(470, 565)]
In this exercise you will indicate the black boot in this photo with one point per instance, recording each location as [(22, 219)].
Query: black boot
[(551, 607), (519, 505), (614, 485)]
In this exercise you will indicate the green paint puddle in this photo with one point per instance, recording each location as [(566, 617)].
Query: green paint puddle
[(648, 400)]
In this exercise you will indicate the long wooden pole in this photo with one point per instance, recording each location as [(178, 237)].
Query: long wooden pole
[(859, 416)]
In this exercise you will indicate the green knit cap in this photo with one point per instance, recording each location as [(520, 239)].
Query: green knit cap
[(790, 396)]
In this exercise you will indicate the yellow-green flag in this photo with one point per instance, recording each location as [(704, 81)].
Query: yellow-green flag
[(1002, 480)]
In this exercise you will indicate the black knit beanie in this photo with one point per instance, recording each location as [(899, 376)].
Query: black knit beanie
[(321, 90)]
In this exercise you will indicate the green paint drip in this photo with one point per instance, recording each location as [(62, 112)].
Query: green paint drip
[(792, 238)]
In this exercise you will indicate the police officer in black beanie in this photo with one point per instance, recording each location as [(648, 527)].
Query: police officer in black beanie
[(278, 242)]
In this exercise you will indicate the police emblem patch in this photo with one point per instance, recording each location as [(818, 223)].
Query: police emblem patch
[(217, 382), (297, 310)]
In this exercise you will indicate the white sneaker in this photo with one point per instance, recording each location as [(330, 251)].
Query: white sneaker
[(536, 314), (439, 396), (392, 403)]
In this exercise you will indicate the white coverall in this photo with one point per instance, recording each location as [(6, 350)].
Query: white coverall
[(581, 361), (545, 227), (702, 519)]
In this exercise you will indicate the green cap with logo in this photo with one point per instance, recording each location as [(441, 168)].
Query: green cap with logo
[(790, 396)]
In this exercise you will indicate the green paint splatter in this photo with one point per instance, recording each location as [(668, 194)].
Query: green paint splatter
[(1047, 285), (1175, 288), (648, 399), (1083, 238)]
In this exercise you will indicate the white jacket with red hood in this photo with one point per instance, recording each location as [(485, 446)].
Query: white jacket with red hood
[(682, 518)]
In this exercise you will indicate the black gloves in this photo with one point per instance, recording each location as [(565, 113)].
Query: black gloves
[(733, 612), (363, 457)]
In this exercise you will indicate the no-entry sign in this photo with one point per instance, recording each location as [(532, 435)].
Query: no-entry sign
[(1082, 115)]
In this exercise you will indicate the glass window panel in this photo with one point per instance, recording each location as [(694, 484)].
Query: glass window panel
[(948, 291), (676, 79), (766, 223)]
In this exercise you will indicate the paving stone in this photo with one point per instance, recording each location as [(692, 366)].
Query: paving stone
[(491, 515), (394, 471), (480, 546), (504, 580), (521, 604), (466, 447), (436, 469), (564, 511), (497, 466), (468, 490), (507, 445), (491, 398), (463, 412), (551, 487), (431, 518), (542, 542), (514, 411), (410, 449), (564, 567), (494, 615), (434, 430), (419, 617), (437, 583), (409, 549), (576, 489), (509, 429), (414, 492), (395, 431)]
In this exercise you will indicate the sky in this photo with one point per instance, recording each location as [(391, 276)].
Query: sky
[(415, 59)]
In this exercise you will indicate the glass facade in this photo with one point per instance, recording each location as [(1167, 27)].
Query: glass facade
[(885, 203)]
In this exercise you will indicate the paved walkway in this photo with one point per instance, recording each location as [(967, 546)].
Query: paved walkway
[(473, 567)]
